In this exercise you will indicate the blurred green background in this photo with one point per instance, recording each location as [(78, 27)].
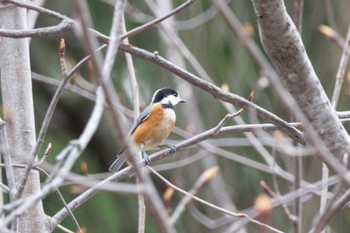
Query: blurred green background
[(227, 61)]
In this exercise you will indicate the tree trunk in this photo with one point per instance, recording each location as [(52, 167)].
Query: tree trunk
[(283, 44), (16, 89)]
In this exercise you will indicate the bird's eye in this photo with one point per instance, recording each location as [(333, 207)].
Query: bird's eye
[(176, 94)]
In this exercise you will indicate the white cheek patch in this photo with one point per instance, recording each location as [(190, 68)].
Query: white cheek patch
[(174, 100)]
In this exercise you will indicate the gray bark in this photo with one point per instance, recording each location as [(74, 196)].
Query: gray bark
[(16, 89), (285, 48)]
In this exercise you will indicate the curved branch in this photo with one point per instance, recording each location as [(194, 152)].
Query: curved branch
[(64, 26), (285, 48), (216, 92)]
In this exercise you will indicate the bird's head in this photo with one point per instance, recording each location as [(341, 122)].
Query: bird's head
[(167, 95)]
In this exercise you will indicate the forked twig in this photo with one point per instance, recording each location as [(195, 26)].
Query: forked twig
[(237, 215)]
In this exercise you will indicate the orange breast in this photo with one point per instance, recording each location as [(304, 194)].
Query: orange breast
[(154, 130)]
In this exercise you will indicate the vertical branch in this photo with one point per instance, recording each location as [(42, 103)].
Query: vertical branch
[(46, 121), (16, 89), (132, 76), (324, 191), (341, 70), (136, 107), (151, 196), (298, 14), (283, 44), (298, 162), (298, 165), (33, 15), (335, 97), (4, 150)]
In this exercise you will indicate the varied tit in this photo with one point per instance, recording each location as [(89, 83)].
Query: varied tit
[(153, 126)]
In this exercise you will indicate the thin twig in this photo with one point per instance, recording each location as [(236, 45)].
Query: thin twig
[(203, 179), (151, 197), (335, 97), (326, 217), (45, 155), (132, 76), (297, 184), (341, 70), (174, 41), (215, 91), (71, 87), (45, 125), (157, 20), (304, 193), (64, 26), (332, 35), (136, 108), (47, 120), (278, 195), (4, 150), (237, 215), (296, 135), (298, 14), (33, 15), (73, 151), (59, 194), (129, 171), (228, 117)]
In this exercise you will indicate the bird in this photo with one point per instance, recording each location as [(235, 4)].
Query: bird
[(153, 125)]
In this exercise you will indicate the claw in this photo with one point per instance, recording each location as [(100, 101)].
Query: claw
[(172, 147), (145, 155), (146, 158)]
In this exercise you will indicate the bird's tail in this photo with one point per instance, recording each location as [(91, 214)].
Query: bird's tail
[(116, 165)]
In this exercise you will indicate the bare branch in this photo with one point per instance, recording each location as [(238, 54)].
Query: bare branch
[(341, 70), (298, 14), (283, 43), (237, 215), (4, 150), (205, 177), (326, 217), (157, 20), (64, 26), (17, 101), (215, 91)]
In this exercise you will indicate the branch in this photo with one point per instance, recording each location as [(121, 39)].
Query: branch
[(157, 20), (66, 24), (286, 50), (151, 196), (341, 70), (215, 91), (130, 170), (237, 215), (201, 181), (326, 217), (47, 121), (71, 153), (303, 193), (4, 150)]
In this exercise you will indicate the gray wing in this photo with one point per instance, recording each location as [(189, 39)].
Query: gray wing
[(143, 116), (121, 158)]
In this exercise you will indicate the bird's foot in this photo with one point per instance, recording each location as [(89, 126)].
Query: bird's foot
[(146, 158), (172, 147)]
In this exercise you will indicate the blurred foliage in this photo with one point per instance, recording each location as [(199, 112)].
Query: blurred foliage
[(226, 60)]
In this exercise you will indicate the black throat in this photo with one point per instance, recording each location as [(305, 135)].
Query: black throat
[(168, 105)]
